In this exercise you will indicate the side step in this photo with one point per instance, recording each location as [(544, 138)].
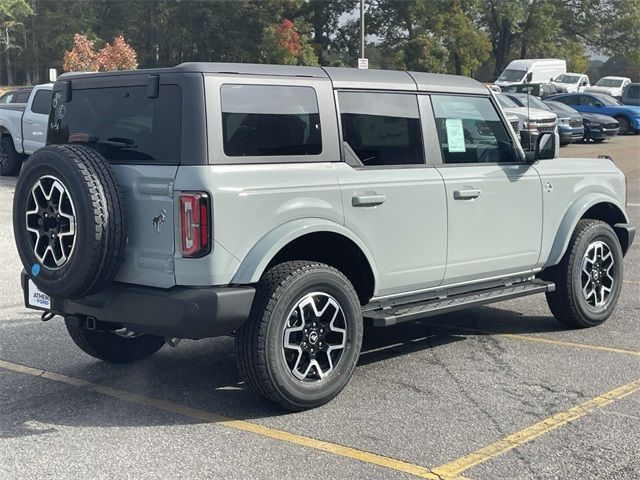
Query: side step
[(385, 317)]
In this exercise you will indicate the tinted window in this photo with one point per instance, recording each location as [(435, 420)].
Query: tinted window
[(22, 97), (261, 120), (569, 100), (381, 128), (122, 123), (470, 130), (41, 102), (633, 91)]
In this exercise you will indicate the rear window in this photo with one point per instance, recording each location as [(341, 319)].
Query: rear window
[(122, 123), (41, 102), (265, 120)]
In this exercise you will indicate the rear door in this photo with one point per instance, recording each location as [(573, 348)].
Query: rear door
[(139, 132), (393, 200), (34, 121), (494, 200)]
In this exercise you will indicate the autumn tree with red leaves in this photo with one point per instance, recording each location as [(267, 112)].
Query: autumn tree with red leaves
[(118, 55), (284, 44)]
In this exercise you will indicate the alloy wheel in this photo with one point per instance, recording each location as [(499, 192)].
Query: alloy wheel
[(314, 337), (598, 274), (51, 222)]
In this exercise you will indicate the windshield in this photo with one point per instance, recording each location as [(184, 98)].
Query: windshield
[(506, 102), (561, 106), (512, 75), (534, 102), (566, 78), (607, 100), (608, 82)]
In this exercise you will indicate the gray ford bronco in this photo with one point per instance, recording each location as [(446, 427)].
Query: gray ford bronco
[(289, 205)]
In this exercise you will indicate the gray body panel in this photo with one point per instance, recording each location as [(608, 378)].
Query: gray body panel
[(420, 237)]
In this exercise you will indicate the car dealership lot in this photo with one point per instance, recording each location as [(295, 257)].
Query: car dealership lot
[(442, 397)]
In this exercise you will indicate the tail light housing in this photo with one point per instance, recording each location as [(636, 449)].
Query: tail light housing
[(195, 224)]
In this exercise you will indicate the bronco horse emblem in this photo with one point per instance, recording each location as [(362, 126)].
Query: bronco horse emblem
[(160, 220)]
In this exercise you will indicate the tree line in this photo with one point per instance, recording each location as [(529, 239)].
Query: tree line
[(468, 37)]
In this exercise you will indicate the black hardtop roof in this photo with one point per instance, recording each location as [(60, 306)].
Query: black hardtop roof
[(340, 77)]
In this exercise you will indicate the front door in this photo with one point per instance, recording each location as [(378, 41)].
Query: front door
[(494, 200), (392, 199)]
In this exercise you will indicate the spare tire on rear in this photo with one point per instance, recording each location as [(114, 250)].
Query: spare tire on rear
[(69, 220)]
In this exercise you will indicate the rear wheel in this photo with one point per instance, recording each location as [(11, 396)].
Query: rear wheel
[(625, 125), (118, 346), (589, 277), (302, 340), (10, 160)]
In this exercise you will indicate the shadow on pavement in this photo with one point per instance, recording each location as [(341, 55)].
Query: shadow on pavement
[(203, 375)]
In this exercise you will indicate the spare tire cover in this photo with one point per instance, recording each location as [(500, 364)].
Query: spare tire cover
[(69, 220)]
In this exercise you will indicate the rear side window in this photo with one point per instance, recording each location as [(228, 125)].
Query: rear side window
[(633, 91), (381, 128), (21, 97), (122, 123), (270, 120), (41, 102)]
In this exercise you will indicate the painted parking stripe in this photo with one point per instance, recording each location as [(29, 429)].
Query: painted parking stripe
[(631, 282), (336, 449), (536, 339), (633, 204), (532, 432)]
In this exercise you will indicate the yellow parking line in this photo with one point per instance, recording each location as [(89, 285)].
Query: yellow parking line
[(550, 341), (241, 425), (631, 282), (517, 439)]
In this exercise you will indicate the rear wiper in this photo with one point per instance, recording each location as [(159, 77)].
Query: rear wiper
[(116, 144), (113, 142)]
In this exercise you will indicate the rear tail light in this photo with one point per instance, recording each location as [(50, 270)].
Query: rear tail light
[(195, 224)]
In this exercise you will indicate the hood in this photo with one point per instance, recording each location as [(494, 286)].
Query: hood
[(613, 91), (531, 113), (597, 118)]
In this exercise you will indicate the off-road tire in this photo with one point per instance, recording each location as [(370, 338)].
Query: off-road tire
[(567, 302), (101, 224), (10, 160), (111, 347), (259, 340), (625, 125)]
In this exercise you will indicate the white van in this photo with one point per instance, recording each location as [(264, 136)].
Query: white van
[(541, 70)]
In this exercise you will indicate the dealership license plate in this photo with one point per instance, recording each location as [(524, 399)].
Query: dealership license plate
[(36, 298)]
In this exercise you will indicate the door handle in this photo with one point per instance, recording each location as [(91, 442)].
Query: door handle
[(28, 122), (368, 200), (466, 194)]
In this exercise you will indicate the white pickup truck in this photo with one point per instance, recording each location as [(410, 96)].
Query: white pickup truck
[(23, 127)]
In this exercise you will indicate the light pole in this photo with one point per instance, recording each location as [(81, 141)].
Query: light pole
[(363, 62)]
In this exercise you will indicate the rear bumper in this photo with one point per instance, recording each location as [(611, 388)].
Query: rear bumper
[(179, 312)]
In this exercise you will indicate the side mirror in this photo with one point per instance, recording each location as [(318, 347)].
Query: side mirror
[(546, 146), (584, 83), (528, 78)]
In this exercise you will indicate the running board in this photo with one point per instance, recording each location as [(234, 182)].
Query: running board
[(385, 317)]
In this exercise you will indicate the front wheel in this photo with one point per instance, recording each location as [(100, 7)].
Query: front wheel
[(625, 125), (302, 340), (589, 277), (10, 159), (118, 346)]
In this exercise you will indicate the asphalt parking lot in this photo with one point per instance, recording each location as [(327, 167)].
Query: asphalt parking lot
[(498, 392)]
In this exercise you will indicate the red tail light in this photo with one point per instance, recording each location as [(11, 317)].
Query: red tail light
[(195, 226)]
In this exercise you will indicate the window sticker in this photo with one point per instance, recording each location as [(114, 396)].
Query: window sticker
[(455, 135)]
